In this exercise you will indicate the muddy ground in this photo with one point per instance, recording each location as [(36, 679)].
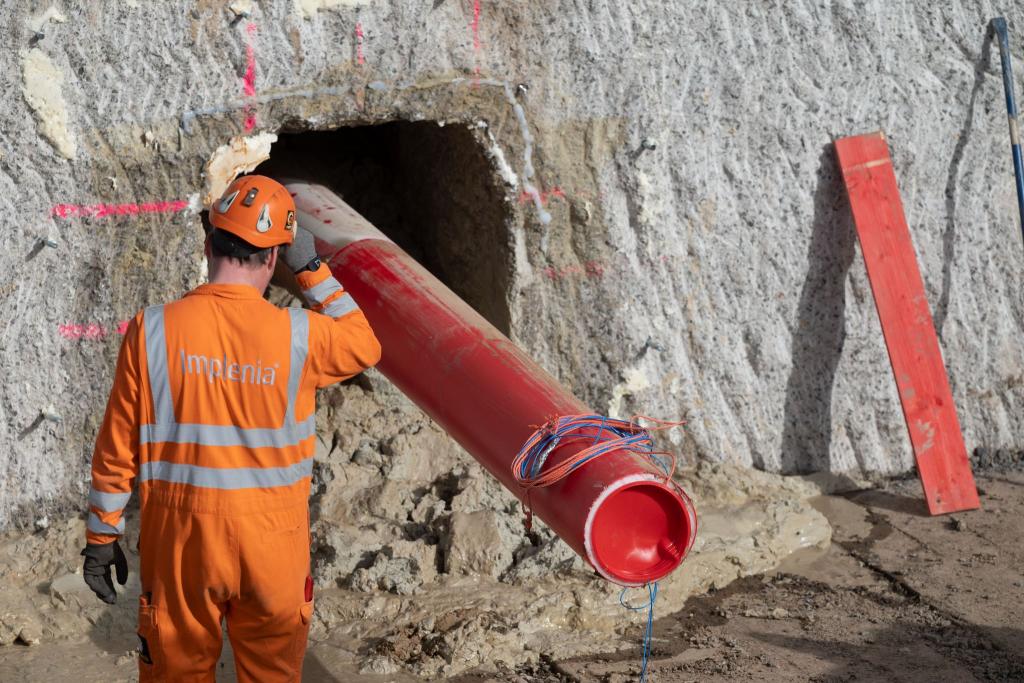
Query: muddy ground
[(897, 596)]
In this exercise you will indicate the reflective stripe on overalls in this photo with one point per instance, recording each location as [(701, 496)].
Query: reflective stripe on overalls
[(107, 502), (166, 428), (320, 293)]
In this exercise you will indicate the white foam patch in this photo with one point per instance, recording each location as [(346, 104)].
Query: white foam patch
[(239, 155), (501, 163), (43, 88), (308, 8)]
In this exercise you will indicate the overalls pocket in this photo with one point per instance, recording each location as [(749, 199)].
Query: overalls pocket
[(149, 643)]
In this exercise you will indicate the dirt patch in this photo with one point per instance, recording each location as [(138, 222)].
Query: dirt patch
[(898, 596), (790, 627)]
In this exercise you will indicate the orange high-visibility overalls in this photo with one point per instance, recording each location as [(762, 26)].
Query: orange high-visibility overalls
[(212, 413)]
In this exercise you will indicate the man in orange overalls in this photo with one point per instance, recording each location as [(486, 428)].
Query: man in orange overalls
[(212, 414)]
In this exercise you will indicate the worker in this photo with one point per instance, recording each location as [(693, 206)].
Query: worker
[(212, 416)]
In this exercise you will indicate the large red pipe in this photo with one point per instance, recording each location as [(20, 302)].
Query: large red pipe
[(616, 511)]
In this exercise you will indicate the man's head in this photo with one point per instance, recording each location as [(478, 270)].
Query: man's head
[(247, 226)]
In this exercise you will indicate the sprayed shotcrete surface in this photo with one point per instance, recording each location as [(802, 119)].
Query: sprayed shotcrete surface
[(654, 194)]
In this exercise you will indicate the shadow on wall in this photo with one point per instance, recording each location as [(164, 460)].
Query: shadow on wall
[(819, 333), (982, 68)]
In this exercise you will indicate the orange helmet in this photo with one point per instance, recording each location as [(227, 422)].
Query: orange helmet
[(256, 209)]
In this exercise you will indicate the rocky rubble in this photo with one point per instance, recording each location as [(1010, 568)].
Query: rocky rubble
[(421, 559)]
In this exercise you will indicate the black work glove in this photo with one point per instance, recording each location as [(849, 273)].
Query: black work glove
[(301, 253), (96, 570)]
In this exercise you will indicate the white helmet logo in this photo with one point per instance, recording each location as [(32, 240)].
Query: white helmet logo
[(225, 203), (263, 223)]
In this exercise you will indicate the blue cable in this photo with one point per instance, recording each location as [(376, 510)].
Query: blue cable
[(652, 591)]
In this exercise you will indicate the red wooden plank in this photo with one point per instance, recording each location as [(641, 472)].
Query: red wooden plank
[(914, 352)]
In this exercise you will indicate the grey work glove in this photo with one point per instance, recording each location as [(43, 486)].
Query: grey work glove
[(96, 570), (301, 253)]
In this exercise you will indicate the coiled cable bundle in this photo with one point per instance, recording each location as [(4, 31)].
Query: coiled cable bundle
[(605, 434), (611, 435)]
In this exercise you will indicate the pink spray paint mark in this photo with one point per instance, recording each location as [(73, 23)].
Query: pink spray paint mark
[(90, 331), (591, 269), (249, 80), (475, 26), (359, 44), (597, 269), (545, 196), (107, 210)]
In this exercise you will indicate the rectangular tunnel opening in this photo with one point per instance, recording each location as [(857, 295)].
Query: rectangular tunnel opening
[(429, 187)]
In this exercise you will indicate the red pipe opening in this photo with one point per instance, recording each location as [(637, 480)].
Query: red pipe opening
[(638, 531)]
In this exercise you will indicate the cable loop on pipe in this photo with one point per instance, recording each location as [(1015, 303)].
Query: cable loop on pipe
[(528, 467)]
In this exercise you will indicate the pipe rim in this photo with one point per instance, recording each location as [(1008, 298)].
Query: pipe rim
[(599, 556)]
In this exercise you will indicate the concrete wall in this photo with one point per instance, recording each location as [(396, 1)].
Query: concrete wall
[(711, 272)]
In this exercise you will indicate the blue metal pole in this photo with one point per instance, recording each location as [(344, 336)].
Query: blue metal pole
[(999, 26)]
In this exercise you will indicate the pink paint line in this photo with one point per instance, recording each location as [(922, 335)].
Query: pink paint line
[(476, 25), (249, 80), (105, 210), (545, 197), (359, 44), (476, 36), (90, 331), (593, 269), (597, 269)]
